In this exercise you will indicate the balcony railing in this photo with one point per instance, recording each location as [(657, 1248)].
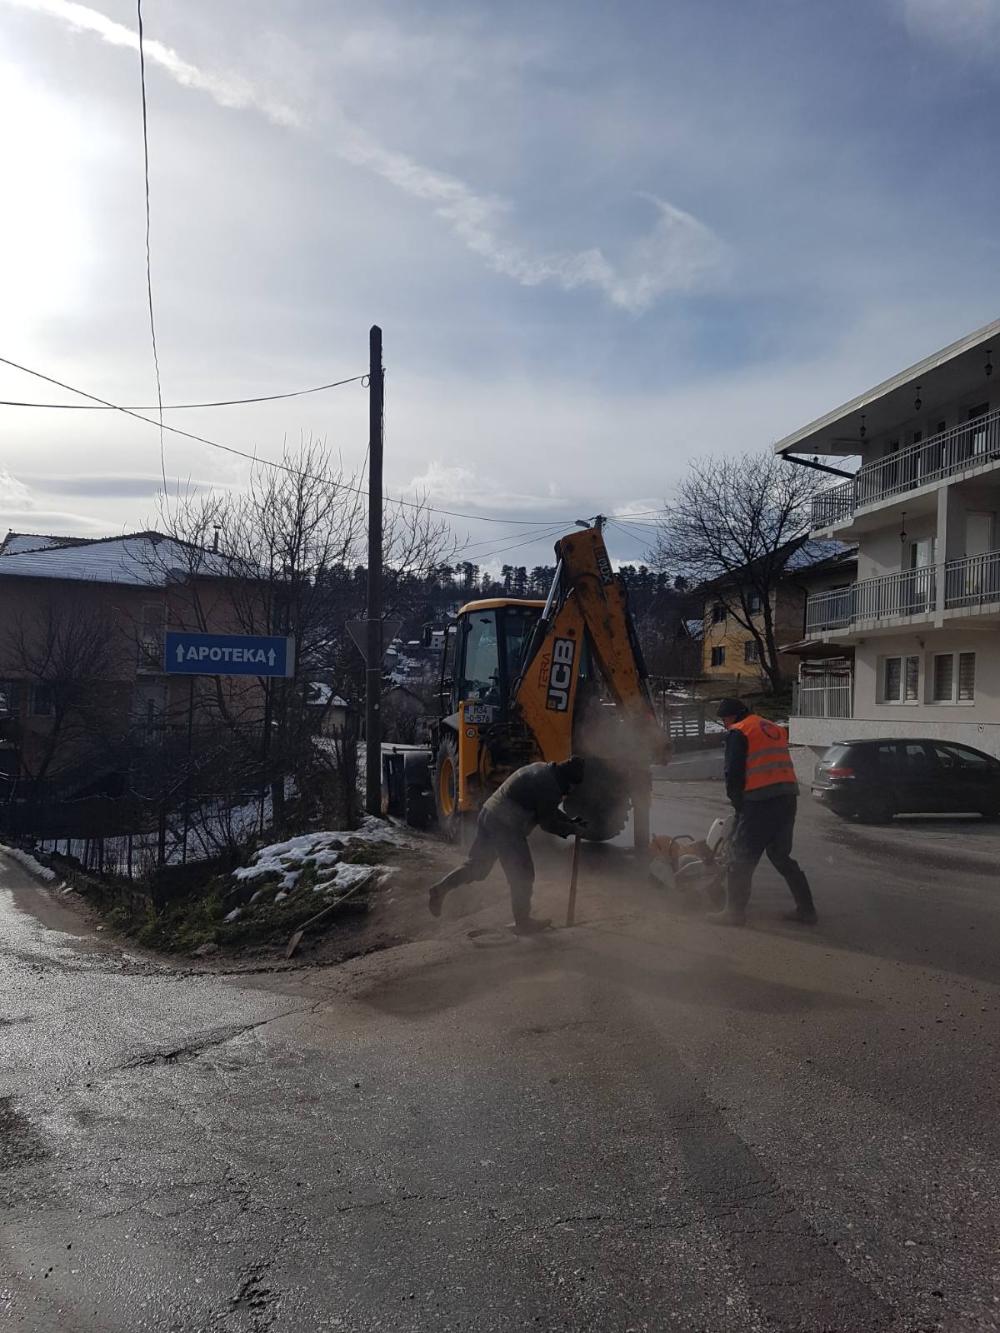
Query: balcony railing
[(972, 581), (910, 593), (830, 610), (959, 449)]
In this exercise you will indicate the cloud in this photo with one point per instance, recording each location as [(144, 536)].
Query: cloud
[(458, 485), (678, 254), (115, 484), (969, 27), (18, 510), (229, 90)]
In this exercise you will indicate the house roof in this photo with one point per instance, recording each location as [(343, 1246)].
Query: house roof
[(15, 543), (140, 559), (955, 369), (803, 553)]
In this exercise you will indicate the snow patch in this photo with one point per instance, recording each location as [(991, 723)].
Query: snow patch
[(29, 862)]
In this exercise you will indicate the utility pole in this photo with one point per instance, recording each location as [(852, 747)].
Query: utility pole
[(373, 656)]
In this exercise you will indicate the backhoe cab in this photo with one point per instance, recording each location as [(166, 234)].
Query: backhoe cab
[(528, 680)]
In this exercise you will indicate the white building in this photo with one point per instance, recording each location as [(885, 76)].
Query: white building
[(922, 620)]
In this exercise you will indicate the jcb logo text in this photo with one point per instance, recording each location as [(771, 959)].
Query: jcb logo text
[(561, 675)]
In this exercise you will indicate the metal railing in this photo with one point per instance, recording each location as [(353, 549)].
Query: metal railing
[(909, 593), (825, 695), (970, 445), (972, 581), (830, 610)]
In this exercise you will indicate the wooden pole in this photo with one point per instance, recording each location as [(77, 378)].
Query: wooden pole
[(373, 655), (571, 905)]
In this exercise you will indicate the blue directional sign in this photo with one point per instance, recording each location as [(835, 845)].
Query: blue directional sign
[(229, 655)]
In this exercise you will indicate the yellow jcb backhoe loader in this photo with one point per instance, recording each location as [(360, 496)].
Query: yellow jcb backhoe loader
[(528, 680)]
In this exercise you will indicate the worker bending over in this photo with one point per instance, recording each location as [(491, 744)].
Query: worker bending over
[(763, 789), (530, 797)]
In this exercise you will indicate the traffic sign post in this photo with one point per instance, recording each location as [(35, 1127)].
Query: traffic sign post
[(358, 630), (193, 655), (228, 654)]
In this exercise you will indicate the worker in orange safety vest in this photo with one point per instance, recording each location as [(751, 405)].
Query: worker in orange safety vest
[(763, 789)]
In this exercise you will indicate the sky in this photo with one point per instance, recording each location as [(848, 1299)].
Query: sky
[(602, 241)]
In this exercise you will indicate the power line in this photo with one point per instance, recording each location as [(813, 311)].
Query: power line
[(553, 530), (182, 407), (270, 462), (149, 268)]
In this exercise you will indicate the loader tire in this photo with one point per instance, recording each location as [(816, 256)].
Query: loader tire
[(450, 820)]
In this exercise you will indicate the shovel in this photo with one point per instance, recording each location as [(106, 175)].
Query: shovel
[(296, 938), (571, 905)]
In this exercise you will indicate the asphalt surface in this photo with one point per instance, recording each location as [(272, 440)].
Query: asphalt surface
[(643, 1123)]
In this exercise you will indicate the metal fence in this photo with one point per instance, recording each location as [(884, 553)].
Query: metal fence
[(824, 689)]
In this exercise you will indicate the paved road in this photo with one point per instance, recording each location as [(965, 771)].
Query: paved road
[(645, 1123)]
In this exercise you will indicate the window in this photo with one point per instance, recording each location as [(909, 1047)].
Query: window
[(718, 657), (954, 678), (151, 636), (960, 757), (10, 698), (755, 604), (41, 699), (718, 614), (481, 678), (900, 680), (966, 677), (751, 652), (944, 678)]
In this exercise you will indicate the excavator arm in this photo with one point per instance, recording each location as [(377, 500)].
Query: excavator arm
[(586, 622)]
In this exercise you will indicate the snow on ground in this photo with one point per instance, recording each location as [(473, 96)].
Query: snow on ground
[(322, 854), (29, 862)]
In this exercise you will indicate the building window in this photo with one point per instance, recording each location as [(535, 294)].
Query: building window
[(718, 657), (10, 698), (41, 699), (718, 614), (954, 678), (755, 604), (966, 677), (900, 680), (751, 653)]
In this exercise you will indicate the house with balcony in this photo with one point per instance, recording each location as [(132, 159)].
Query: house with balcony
[(914, 637)]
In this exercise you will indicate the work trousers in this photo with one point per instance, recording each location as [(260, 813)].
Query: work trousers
[(496, 841), (765, 826)]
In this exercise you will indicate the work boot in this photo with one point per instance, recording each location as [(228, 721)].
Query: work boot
[(532, 925), (728, 917), (803, 916), (435, 899)]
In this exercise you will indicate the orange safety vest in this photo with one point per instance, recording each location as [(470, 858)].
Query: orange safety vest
[(769, 761)]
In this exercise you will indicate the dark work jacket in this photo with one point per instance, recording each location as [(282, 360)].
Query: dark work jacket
[(736, 775), (530, 797)]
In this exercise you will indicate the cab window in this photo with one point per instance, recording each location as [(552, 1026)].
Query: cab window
[(481, 674), (518, 626)]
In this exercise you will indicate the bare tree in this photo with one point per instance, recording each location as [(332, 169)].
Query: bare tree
[(734, 524), (64, 652), (283, 557)]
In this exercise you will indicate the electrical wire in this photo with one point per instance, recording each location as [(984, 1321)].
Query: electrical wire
[(149, 267), (182, 407), (553, 531), (273, 463)]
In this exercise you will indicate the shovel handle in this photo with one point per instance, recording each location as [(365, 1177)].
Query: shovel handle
[(571, 905)]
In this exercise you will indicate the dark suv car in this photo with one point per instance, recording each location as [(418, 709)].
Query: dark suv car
[(874, 780)]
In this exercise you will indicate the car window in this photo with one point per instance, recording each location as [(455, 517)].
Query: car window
[(917, 759), (887, 757), (955, 757)]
